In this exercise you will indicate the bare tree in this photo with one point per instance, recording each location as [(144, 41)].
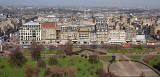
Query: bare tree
[(31, 71), (41, 63), (35, 51), (68, 48), (60, 50), (139, 47), (93, 58), (59, 72), (16, 57), (147, 58)]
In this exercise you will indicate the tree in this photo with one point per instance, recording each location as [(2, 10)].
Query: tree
[(68, 48), (52, 61), (147, 58), (35, 51), (93, 58), (41, 63), (1, 66), (60, 50), (41, 47), (140, 47), (59, 72), (16, 57), (31, 71)]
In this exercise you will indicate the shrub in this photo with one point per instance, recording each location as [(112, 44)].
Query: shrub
[(140, 47), (68, 48), (82, 55), (59, 72), (147, 58), (35, 51), (16, 57), (41, 63), (2, 66), (92, 72), (85, 56), (31, 71), (93, 58), (79, 69), (157, 66)]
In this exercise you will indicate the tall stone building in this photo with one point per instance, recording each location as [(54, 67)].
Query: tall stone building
[(30, 31), (69, 33), (116, 36), (101, 29), (84, 34), (48, 32), (130, 34)]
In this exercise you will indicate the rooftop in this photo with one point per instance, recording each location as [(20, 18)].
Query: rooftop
[(48, 24), (32, 23), (51, 16)]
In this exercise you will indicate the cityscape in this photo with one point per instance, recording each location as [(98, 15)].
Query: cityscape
[(79, 40)]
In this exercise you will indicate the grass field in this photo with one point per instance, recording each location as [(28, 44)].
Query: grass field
[(135, 57), (130, 50), (105, 58), (82, 67), (26, 51), (154, 61)]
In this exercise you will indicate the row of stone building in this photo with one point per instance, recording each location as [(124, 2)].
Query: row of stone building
[(86, 33)]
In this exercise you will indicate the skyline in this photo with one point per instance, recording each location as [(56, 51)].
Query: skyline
[(85, 3)]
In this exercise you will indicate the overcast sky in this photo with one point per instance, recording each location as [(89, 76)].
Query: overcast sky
[(86, 3)]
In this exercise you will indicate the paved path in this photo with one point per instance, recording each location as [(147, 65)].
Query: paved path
[(129, 68), (126, 68)]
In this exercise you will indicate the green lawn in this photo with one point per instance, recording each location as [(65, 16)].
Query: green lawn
[(11, 71), (26, 51), (135, 57), (130, 50), (154, 61), (105, 58), (86, 68), (82, 67)]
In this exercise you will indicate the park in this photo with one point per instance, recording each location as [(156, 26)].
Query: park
[(66, 61)]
